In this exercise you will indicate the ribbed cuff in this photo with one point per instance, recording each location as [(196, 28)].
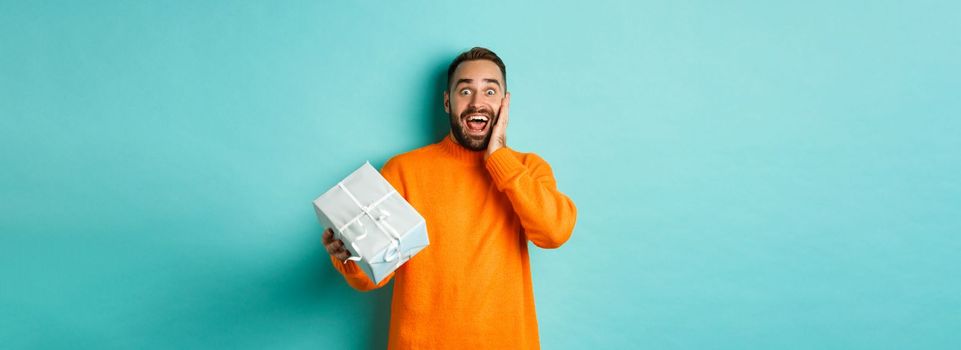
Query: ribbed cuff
[(350, 268), (504, 166)]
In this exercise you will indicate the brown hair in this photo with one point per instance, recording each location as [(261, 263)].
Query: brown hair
[(476, 53)]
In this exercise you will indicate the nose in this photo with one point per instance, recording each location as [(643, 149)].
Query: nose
[(475, 101)]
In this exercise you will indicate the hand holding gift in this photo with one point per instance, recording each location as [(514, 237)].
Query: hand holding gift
[(335, 247)]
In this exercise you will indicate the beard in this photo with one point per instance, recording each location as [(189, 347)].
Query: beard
[(471, 142)]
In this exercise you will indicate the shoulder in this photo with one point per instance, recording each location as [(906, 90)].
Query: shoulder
[(401, 169), (409, 159)]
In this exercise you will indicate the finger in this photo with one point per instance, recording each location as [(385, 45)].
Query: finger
[(504, 111), (333, 246), (504, 114), (328, 236), (342, 255), (336, 248), (507, 106)]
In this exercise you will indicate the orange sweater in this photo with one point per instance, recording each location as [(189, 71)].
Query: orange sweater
[(471, 287)]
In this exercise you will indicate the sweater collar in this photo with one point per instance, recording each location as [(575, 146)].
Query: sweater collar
[(451, 147)]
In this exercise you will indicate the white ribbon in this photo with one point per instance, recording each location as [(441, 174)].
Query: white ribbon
[(379, 219)]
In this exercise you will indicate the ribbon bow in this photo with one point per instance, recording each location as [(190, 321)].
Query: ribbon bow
[(380, 219)]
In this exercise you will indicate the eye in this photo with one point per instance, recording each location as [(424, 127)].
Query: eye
[(465, 92), (491, 92)]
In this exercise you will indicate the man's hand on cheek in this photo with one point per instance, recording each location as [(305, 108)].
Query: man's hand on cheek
[(499, 133)]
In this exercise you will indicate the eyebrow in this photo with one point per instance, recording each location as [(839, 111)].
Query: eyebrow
[(472, 80)]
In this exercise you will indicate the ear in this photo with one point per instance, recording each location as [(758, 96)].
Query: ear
[(446, 102)]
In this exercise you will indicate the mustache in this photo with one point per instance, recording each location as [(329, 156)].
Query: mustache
[(473, 110)]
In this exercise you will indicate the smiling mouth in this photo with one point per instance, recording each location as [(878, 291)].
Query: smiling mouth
[(476, 123)]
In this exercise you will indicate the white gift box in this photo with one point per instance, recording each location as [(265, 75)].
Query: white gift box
[(379, 228)]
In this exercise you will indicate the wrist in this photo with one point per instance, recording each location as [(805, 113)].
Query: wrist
[(490, 151)]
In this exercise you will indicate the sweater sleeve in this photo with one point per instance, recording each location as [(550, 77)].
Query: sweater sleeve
[(354, 275), (546, 214)]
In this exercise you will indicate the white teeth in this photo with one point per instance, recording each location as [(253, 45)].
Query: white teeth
[(477, 118)]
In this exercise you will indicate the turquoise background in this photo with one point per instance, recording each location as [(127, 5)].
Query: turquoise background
[(749, 175)]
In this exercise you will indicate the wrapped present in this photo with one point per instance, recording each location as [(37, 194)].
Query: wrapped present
[(380, 228)]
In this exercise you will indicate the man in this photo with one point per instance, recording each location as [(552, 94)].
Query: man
[(471, 287)]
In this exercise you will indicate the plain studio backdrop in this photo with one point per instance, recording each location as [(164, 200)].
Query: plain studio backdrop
[(748, 175)]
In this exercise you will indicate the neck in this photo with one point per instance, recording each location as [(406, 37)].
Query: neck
[(458, 151)]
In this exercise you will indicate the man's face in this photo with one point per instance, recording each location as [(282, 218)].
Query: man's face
[(473, 101)]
